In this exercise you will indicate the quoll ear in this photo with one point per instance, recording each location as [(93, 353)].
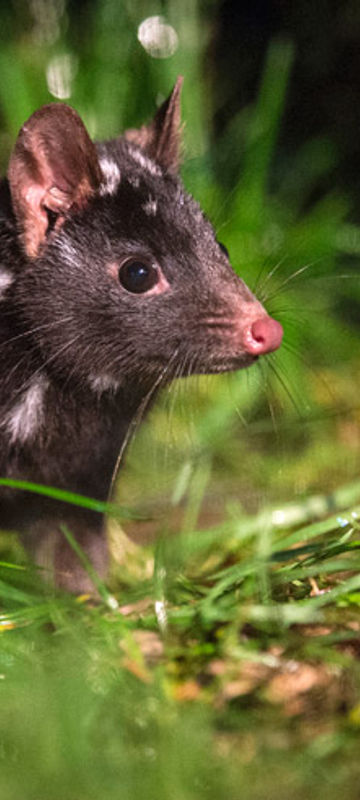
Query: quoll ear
[(53, 168), (161, 139)]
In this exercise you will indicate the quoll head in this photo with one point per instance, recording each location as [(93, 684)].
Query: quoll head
[(122, 277)]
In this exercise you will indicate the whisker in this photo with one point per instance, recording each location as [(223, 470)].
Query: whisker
[(75, 368), (30, 378), (290, 278), (54, 357), (220, 208), (276, 369), (259, 288), (229, 383), (264, 378), (177, 391), (137, 418), (296, 351), (31, 331), (293, 311), (190, 411)]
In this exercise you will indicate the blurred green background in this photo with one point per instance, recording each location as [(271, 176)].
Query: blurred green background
[(271, 103)]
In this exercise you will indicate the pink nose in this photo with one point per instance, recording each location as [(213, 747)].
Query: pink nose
[(263, 336)]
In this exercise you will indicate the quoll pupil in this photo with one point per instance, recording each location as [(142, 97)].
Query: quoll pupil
[(138, 273)]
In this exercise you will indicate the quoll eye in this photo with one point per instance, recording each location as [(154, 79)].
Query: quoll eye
[(138, 276), (223, 248)]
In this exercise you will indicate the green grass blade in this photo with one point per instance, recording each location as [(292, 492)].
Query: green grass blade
[(113, 510)]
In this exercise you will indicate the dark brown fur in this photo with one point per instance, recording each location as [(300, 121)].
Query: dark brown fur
[(80, 353)]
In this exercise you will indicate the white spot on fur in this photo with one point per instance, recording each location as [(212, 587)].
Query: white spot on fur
[(104, 383), (150, 207), (111, 173), (145, 162), (69, 253), (5, 281), (134, 181), (25, 420)]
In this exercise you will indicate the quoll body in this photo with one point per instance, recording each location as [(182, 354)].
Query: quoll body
[(112, 283)]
